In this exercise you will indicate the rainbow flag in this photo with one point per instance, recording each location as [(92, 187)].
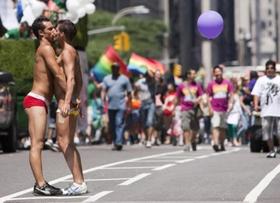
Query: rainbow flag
[(103, 66), (140, 65)]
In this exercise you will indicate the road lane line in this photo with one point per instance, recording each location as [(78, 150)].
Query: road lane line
[(97, 196), (255, 193), (130, 167), (10, 196), (157, 160), (184, 161), (49, 197), (134, 179), (97, 180), (163, 167)]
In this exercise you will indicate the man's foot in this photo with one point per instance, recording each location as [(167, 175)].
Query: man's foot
[(194, 146), (187, 148), (75, 189), (271, 155), (222, 148), (117, 148), (47, 190), (216, 148), (149, 144), (52, 146)]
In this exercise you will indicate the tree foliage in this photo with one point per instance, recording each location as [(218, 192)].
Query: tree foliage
[(145, 35)]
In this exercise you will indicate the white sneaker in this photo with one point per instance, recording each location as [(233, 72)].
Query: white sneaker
[(75, 189), (148, 144)]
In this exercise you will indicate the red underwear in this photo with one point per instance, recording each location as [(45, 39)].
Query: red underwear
[(30, 101)]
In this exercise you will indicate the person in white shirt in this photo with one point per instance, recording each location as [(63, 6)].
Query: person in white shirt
[(267, 92)]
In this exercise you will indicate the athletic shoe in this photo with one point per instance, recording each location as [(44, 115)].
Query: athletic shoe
[(187, 148), (194, 146), (216, 148), (52, 146), (271, 155), (75, 189), (117, 147), (47, 190), (222, 148), (148, 144)]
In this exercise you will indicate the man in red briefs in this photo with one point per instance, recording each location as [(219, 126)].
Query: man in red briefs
[(66, 124), (46, 71)]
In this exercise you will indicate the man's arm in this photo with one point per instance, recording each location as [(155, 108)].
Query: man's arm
[(256, 102), (49, 57), (69, 68)]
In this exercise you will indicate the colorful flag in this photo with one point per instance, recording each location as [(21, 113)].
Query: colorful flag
[(103, 66), (140, 65)]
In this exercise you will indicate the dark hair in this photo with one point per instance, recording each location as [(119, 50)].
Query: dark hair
[(68, 28), (217, 67), (270, 63), (38, 25), (253, 75), (115, 65)]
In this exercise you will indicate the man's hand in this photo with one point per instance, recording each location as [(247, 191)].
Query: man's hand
[(65, 109)]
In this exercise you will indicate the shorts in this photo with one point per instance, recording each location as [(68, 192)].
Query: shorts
[(33, 99), (270, 127), (218, 120), (147, 113), (189, 120)]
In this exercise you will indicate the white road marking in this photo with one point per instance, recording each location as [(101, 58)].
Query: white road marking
[(156, 160), (97, 180), (163, 167), (134, 179), (13, 195), (184, 161), (130, 167), (255, 193), (202, 157), (49, 197), (97, 196)]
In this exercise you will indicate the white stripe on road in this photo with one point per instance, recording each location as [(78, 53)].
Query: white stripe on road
[(134, 179), (97, 180), (163, 167), (8, 197), (255, 193), (97, 196), (49, 197), (156, 160), (130, 167), (184, 161)]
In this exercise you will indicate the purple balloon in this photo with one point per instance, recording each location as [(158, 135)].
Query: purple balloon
[(210, 24)]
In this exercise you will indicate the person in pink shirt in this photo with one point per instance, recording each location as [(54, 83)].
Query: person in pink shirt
[(188, 95), (220, 93)]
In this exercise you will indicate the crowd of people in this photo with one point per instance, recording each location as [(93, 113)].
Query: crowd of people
[(153, 109)]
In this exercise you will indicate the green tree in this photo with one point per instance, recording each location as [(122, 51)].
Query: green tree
[(144, 36)]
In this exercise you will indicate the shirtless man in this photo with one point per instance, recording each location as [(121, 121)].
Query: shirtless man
[(67, 102), (46, 71)]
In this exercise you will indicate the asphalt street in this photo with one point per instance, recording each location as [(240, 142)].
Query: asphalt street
[(159, 174)]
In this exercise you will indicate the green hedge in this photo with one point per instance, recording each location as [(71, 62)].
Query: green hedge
[(17, 57)]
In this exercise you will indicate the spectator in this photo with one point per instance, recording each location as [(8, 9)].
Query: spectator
[(267, 92), (117, 88), (23, 31)]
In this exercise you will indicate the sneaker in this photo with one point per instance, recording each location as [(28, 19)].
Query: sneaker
[(75, 189), (47, 190), (194, 146), (117, 147), (216, 148), (148, 144), (222, 148), (187, 148), (271, 155), (52, 146)]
